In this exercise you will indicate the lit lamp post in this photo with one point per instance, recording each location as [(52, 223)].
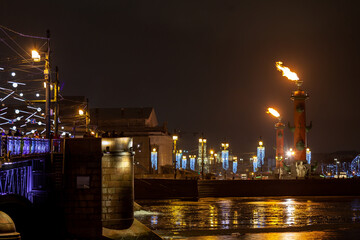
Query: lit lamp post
[(212, 162), (308, 155), (202, 142), (36, 58), (215, 163), (260, 155), (279, 126), (192, 162), (175, 138), (290, 154), (225, 157), (87, 118)]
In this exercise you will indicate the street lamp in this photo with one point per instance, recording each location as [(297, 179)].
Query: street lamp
[(174, 138), (36, 58), (85, 113), (212, 161), (225, 157), (202, 141)]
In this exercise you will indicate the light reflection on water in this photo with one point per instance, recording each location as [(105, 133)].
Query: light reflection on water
[(250, 213), (270, 236)]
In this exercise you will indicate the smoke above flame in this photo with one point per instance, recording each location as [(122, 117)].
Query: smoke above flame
[(287, 72), (273, 112)]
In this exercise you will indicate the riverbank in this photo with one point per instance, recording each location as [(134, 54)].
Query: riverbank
[(194, 189)]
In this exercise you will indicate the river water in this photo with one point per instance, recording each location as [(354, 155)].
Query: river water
[(253, 218)]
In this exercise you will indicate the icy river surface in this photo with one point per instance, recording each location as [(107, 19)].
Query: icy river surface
[(253, 218)]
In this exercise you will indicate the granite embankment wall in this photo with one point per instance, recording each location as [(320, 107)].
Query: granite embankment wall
[(187, 189)]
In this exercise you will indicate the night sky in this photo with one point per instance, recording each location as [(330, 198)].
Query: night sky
[(208, 66)]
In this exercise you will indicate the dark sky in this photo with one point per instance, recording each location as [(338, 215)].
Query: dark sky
[(208, 66)]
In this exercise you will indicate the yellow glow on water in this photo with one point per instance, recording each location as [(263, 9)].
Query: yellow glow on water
[(286, 236), (235, 221)]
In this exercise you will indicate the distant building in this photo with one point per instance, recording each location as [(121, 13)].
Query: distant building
[(152, 143)]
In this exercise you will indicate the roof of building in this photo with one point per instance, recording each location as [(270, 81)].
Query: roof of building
[(124, 113)]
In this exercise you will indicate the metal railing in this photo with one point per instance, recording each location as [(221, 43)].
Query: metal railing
[(20, 146)]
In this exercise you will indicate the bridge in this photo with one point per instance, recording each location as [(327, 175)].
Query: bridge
[(23, 167), (30, 169), (355, 166), (70, 187)]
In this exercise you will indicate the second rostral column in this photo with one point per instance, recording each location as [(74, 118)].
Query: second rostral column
[(299, 129)]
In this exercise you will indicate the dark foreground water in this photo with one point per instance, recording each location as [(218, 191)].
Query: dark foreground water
[(254, 218)]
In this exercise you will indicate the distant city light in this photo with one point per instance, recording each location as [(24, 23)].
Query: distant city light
[(14, 127), (37, 95), (38, 109), (39, 123), (17, 111), (15, 85), (21, 94), (13, 74)]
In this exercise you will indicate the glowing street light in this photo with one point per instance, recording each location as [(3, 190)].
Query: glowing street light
[(87, 118), (225, 145), (174, 138), (202, 142), (35, 56)]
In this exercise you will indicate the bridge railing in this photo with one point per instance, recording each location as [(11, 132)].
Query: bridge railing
[(57, 145), (20, 146)]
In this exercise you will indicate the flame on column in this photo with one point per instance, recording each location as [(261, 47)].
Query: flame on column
[(287, 72), (273, 112)]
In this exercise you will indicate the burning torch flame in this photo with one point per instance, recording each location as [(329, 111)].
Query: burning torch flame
[(287, 72), (273, 112)]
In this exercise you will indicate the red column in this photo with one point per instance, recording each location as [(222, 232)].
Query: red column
[(300, 143), (279, 144)]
